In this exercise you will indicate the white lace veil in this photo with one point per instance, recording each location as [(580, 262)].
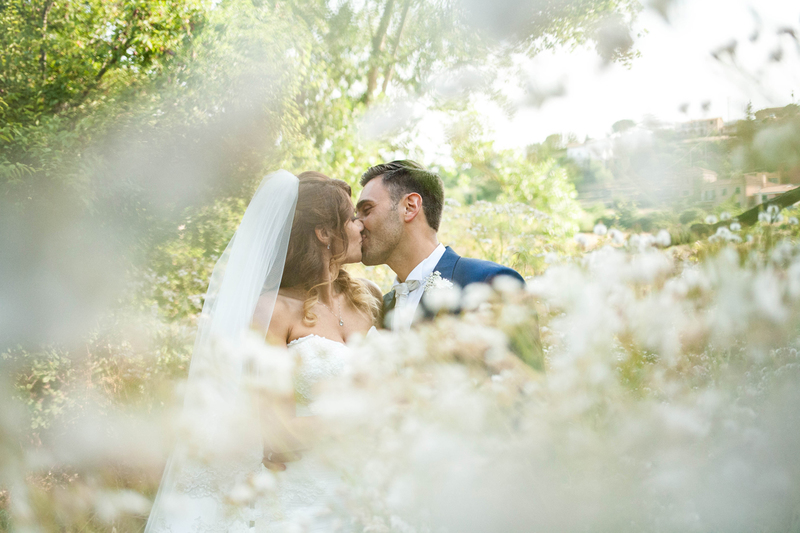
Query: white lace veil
[(216, 443)]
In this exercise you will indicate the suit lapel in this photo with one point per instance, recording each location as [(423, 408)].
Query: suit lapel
[(445, 267), (389, 302), (447, 264)]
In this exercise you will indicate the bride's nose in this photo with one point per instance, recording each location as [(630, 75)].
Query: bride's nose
[(359, 225)]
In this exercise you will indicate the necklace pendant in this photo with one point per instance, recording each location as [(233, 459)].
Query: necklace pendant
[(340, 322)]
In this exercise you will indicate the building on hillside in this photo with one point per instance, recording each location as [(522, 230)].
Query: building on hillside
[(730, 129), (776, 113), (594, 150), (688, 184), (701, 128), (747, 190), (755, 182), (770, 192), (722, 190)]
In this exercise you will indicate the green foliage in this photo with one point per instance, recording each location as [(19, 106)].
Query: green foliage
[(486, 173), (622, 125), (56, 54), (151, 122), (690, 215), (512, 234), (42, 383), (770, 144), (176, 278), (625, 214)]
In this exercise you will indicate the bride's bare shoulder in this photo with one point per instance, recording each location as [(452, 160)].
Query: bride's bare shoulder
[(277, 312), (288, 303)]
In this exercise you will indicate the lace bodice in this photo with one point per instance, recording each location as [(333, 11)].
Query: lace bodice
[(304, 490), (320, 358)]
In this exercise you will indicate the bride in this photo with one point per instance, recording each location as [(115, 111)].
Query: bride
[(281, 276)]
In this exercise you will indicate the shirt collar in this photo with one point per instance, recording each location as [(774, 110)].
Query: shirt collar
[(425, 267)]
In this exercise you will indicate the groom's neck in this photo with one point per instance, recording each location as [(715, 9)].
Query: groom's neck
[(410, 253)]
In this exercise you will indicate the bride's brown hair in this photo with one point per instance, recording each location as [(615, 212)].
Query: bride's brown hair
[(323, 202)]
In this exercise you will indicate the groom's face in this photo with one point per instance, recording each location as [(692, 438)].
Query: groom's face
[(383, 227)]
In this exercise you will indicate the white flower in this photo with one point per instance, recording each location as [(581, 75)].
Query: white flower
[(241, 494), (263, 482), (436, 281), (663, 238), (793, 221), (617, 236), (736, 226), (440, 294), (475, 294), (725, 216), (506, 284), (600, 229), (109, 505), (443, 299), (711, 219)]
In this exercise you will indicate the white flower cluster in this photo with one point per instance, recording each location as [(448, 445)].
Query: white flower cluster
[(661, 396), (659, 376)]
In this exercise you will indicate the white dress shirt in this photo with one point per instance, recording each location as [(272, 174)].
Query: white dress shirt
[(406, 302)]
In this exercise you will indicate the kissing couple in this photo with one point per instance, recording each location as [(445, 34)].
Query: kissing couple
[(282, 275)]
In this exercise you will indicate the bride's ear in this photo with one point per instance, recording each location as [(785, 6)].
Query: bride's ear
[(323, 236)]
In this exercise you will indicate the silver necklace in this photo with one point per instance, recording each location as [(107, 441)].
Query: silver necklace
[(341, 322)]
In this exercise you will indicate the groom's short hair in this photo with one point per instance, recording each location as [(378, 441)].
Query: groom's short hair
[(406, 176)]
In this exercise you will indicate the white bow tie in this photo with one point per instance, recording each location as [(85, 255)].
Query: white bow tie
[(403, 289)]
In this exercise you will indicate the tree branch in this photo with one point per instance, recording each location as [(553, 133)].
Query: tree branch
[(387, 75), (117, 51), (750, 217), (378, 43), (43, 49)]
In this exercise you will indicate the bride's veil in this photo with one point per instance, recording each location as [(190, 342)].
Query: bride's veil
[(210, 443)]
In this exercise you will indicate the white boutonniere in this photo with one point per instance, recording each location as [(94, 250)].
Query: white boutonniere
[(436, 281), (440, 294)]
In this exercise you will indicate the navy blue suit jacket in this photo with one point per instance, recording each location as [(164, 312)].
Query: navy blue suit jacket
[(462, 271)]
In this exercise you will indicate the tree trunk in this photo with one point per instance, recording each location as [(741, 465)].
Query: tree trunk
[(787, 199), (43, 49), (117, 51), (387, 75), (378, 43), (750, 217)]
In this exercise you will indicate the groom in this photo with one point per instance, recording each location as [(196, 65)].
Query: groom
[(401, 207)]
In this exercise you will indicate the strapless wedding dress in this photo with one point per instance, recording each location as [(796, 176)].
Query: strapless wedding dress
[(305, 493), (308, 489)]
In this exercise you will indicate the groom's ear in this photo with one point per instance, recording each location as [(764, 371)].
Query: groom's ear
[(412, 206)]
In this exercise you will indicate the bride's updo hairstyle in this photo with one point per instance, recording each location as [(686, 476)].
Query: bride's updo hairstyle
[(322, 202)]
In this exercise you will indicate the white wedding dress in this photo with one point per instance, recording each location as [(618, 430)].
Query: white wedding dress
[(305, 494), (214, 480), (309, 489)]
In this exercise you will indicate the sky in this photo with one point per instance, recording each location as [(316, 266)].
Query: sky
[(673, 77)]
